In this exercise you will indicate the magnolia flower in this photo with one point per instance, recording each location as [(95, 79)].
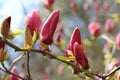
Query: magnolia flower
[(34, 21), (76, 37), (49, 27), (94, 28)]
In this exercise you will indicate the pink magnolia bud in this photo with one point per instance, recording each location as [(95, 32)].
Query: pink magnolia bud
[(15, 71), (48, 3), (80, 57), (118, 41), (76, 37), (114, 64), (109, 25), (105, 5), (94, 28), (33, 21), (96, 6), (49, 27), (86, 6), (73, 5)]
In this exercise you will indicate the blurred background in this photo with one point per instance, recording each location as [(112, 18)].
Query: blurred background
[(74, 13)]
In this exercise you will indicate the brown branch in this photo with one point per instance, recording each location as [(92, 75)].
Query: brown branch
[(46, 53)]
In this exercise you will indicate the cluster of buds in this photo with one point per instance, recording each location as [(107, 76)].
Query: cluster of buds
[(76, 48), (94, 28)]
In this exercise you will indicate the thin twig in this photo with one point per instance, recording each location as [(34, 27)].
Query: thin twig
[(113, 71), (14, 62), (6, 70), (28, 68)]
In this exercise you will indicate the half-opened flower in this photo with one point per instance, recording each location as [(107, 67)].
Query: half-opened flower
[(76, 37), (49, 27), (34, 21), (81, 59), (118, 41)]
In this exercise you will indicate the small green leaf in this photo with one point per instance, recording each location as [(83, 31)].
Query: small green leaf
[(66, 58), (17, 32), (34, 38)]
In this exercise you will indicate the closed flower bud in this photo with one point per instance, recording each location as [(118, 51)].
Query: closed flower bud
[(15, 71), (118, 41), (109, 25), (73, 5), (76, 37), (34, 21), (5, 28), (80, 57), (49, 27), (94, 28), (48, 3)]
